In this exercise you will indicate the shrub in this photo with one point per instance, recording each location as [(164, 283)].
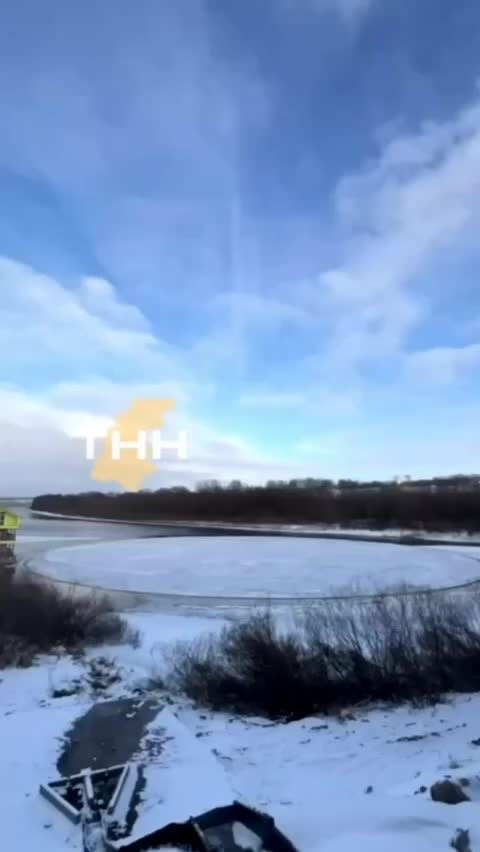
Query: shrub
[(245, 668), (404, 648), (36, 616)]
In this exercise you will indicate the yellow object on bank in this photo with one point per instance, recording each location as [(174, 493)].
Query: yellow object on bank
[(9, 524)]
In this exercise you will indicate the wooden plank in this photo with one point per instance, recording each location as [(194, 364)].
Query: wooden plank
[(118, 789), (60, 803)]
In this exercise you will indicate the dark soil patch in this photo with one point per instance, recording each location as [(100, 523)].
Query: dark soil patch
[(108, 734)]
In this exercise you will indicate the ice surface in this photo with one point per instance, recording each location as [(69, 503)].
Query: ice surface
[(259, 567)]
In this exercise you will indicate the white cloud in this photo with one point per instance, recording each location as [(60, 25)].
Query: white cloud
[(444, 443), (419, 196), (111, 356), (253, 309), (88, 327), (110, 344), (40, 458), (443, 364), (326, 447), (99, 298), (137, 148), (349, 11), (269, 399), (315, 400), (41, 449), (34, 411), (89, 331), (180, 94)]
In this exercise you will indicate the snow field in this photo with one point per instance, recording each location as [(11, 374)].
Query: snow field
[(333, 784)]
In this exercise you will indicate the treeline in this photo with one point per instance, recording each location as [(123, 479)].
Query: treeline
[(441, 504)]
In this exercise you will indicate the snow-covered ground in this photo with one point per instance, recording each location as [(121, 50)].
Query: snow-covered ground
[(360, 782), (259, 567), (356, 783), (338, 786)]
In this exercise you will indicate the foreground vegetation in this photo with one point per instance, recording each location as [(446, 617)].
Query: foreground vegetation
[(392, 649), (36, 617), (437, 505)]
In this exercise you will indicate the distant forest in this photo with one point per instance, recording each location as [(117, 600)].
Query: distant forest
[(439, 504)]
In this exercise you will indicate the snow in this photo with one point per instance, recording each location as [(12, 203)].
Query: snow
[(264, 567), (195, 782), (473, 552), (390, 532), (244, 837), (41, 514), (160, 632), (28, 821), (164, 629), (33, 539), (33, 723), (312, 775), (29, 748)]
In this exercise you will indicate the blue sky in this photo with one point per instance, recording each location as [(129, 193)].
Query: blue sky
[(269, 210)]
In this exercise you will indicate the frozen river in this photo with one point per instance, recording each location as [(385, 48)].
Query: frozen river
[(176, 567), (39, 534), (258, 567)]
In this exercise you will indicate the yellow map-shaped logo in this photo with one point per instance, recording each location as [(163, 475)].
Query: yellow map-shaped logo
[(129, 465)]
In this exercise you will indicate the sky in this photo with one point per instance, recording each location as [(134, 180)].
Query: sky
[(269, 212)]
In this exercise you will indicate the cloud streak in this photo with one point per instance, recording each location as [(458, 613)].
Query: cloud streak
[(419, 196), (349, 11)]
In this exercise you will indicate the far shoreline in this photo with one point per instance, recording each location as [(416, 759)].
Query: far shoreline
[(394, 536)]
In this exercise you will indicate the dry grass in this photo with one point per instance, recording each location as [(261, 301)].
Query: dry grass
[(392, 649)]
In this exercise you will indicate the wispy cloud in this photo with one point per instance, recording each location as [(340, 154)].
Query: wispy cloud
[(43, 447), (315, 399), (46, 322), (134, 89), (270, 399), (111, 355), (420, 194), (134, 128), (443, 365), (350, 11), (212, 240)]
